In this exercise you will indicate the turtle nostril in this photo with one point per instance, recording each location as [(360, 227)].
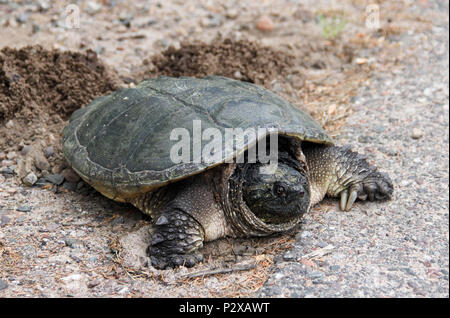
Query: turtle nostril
[(300, 191)]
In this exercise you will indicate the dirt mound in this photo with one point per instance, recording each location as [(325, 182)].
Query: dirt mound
[(39, 90), (240, 59), (34, 80)]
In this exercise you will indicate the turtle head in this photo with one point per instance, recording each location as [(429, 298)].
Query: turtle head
[(276, 197)]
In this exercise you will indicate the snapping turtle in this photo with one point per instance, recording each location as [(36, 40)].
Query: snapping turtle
[(127, 146)]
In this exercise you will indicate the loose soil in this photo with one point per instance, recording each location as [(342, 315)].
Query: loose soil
[(35, 81), (243, 60)]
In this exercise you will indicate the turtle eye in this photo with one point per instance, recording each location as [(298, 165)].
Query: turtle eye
[(280, 190)]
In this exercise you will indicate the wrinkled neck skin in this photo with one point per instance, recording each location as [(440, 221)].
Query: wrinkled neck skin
[(241, 220)]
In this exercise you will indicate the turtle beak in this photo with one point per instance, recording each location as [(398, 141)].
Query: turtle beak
[(295, 193)]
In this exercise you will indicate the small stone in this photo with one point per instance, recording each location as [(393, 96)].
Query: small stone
[(409, 271), (232, 13), (289, 256), (43, 5), (6, 163), (417, 133), (41, 162), (25, 150), (315, 275), (365, 139), (70, 175), (237, 75), (4, 220), (22, 18), (41, 182), (428, 91), (55, 178), (3, 284), (49, 151), (334, 268), (93, 7), (7, 171), (30, 179), (24, 208), (11, 155), (93, 283), (71, 242), (265, 24)]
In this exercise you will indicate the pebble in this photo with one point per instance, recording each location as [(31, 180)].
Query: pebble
[(237, 75), (55, 178), (93, 7), (24, 208), (265, 24), (213, 20), (4, 220), (11, 155), (41, 182), (30, 179), (289, 256), (49, 151), (7, 171), (43, 5), (3, 284), (6, 163), (41, 163), (315, 275), (93, 283), (25, 150), (22, 18), (232, 14), (71, 242), (417, 133)]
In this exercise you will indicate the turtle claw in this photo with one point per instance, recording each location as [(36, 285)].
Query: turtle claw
[(344, 198), (351, 200), (161, 260), (376, 186), (347, 201)]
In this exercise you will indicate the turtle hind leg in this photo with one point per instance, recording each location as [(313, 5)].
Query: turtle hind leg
[(176, 240), (340, 172)]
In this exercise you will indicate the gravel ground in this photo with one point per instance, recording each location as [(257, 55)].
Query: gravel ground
[(398, 249), (66, 241)]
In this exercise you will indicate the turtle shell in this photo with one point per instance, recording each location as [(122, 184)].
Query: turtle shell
[(121, 144)]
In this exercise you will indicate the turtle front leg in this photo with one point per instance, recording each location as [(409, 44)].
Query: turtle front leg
[(340, 172), (176, 240)]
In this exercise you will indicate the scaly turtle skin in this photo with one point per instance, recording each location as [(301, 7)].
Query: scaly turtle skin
[(121, 145)]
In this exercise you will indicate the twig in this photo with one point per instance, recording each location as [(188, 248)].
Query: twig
[(319, 252), (221, 271)]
